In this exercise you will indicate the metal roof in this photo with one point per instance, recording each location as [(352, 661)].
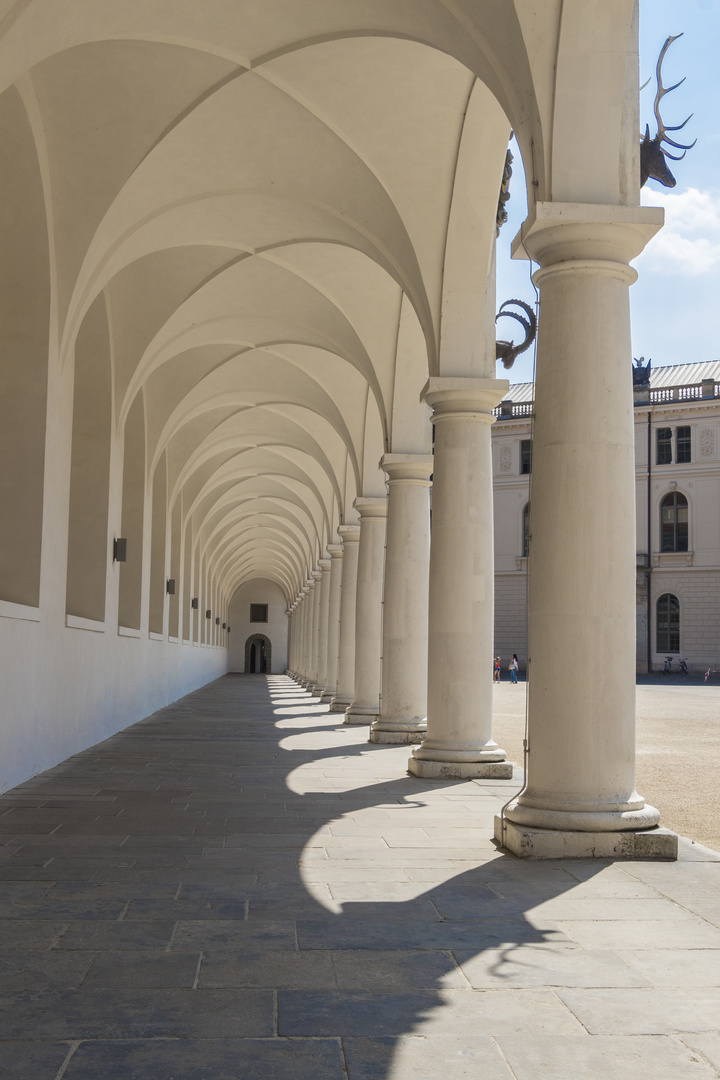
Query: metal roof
[(684, 374), (519, 392), (669, 375)]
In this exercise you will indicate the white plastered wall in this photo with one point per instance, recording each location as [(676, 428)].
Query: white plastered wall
[(66, 688), (258, 591)]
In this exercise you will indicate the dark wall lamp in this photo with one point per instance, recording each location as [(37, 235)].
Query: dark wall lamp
[(170, 586), (208, 614), (120, 549), (224, 626), (194, 603), (228, 629), (217, 621)]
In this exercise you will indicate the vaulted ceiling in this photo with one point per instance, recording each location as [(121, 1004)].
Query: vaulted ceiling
[(270, 221)]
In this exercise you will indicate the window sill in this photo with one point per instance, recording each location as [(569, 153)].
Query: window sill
[(9, 610), (75, 622), (673, 558), (129, 631), (521, 562), (156, 637)]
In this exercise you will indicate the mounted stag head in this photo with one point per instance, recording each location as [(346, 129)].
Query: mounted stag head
[(505, 350), (652, 152)]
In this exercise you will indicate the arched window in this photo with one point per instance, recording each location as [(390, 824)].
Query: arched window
[(526, 530), (674, 522), (668, 624)]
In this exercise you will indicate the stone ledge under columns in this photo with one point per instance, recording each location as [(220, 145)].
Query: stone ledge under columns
[(339, 705), (531, 843), (362, 714), (460, 770), (399, 737)]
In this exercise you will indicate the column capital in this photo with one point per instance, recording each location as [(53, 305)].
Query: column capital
[(350, 534), (555, 234), (408, 467), (310, 584), (324, 565), (463, 397), (371, 506), (317, 574), (334, 551)]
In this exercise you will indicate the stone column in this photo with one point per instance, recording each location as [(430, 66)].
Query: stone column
[(291, 640), (315, 632), (335, 551), (459, 739), (580, 797), (369, 612), (306, 631), (403, 700), (324, 593), (348, 597), (296, 633)]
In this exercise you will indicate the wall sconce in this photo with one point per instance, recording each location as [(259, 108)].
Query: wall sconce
[(208, 614), (228, 630), (217, 621), (224, 626), (120, 549), (194, 603), (170, 586)]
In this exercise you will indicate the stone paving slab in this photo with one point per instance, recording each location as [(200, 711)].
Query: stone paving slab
[(240, 887)]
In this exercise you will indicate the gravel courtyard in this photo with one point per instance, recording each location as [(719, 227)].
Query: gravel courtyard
[(678, 738)]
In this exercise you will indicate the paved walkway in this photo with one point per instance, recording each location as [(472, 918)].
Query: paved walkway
[(237, 888)]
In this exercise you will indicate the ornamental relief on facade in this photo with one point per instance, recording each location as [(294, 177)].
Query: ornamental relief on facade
[(707, 443), (505, 459)]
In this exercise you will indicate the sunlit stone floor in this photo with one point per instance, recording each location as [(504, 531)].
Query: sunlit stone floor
[(240, 888)]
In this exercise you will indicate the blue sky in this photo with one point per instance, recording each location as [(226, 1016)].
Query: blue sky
[(675, 304)]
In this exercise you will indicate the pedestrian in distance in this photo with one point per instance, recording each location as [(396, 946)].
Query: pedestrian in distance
[(496, 676), (513, 668)]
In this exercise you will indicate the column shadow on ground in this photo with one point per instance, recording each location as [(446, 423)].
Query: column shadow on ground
[(168, 921)]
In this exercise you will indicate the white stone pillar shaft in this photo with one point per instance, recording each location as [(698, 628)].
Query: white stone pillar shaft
[(459, 739), (315, 633), (346, 653), (369, 612), (323, 603), (307, 630), (405, 604), (335, 552), (581, 707)]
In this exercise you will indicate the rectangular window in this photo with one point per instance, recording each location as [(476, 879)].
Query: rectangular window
[(668, 624), (664, 446), (258, 612), (525, 456), (683, 445)]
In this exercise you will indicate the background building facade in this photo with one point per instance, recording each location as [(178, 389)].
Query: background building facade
[(677, 465)]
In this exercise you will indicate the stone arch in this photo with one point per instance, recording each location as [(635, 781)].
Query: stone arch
[(258, 655)]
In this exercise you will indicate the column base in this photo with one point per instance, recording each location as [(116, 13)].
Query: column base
[(533, 843), (315, 689), (397, 735), (340, 704), (460, 770), (361, 714), (326, 697)]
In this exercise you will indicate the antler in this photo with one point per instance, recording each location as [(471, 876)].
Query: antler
[(660, 94), (652, 151), (505, 350)]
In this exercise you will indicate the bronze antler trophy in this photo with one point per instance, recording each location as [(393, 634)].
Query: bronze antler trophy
[(652, 152), (506, 350)]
